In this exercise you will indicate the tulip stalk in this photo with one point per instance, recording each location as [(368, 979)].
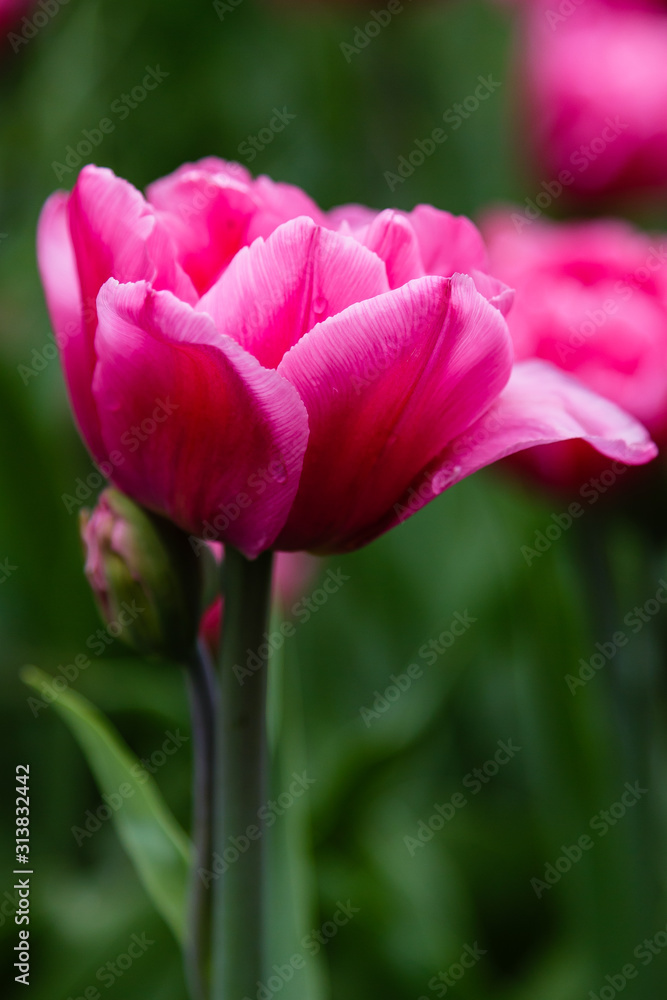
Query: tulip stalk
[(203, 707), (241, 780)]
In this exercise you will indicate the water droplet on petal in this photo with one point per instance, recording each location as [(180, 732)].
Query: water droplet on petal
[(319, 305)]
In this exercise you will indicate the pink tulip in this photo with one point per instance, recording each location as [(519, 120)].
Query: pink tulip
[(287, 394), (596, 85), (591, 298)]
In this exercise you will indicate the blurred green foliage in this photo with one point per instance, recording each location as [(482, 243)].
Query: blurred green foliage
[(503, 679)]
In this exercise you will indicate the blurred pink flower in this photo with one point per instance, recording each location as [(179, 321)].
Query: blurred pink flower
[(306, 391), (591, 298), (11, 12), (596, 86)]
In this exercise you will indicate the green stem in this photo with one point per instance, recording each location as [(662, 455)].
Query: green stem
[(203, 708), (240, 781)]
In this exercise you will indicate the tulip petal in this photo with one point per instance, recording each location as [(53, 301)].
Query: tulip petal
[(115, 233), (448, 243), (392, 238), (278, 203), (207, 208), (387, 384), (204, 433), (355, 216), (161, 190), (57, 266), (542, 405), (275, 291), (539, 406), (494, 291)]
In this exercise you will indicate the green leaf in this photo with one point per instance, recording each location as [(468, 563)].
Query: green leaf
[(155, 843)]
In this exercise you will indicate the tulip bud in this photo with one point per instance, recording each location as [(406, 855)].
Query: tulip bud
[(146, 579)]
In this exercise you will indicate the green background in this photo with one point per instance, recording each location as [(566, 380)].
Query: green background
[(504, 679)]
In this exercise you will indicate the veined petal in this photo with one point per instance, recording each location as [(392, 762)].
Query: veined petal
[(387, 384), (542, 405), (448, 243), (205, 434), (160, 191), (538, 406), (207, 208), (279, 202), (392, 238), (355, 216), (58, 270), (275, 291), (494, 291), (115, 233)]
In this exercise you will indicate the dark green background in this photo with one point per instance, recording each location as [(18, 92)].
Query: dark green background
[(504, 679)]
